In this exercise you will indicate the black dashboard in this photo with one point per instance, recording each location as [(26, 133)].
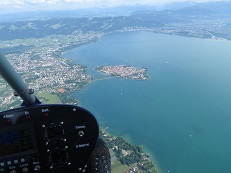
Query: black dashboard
[(46, 139)]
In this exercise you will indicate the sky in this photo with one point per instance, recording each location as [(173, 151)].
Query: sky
[(34, 5)]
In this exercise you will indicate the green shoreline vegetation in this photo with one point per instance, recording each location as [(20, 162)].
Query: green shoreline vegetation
[(127, 157)]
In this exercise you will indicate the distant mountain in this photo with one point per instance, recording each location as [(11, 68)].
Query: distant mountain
[(209, 8), (221, 7), (176, 5), (87, 12), (69, 25), (178, 19), (218, 6), (195, 11), (182, 8)]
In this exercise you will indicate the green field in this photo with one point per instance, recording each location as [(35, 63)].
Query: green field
[(48, 98), (117, 167)]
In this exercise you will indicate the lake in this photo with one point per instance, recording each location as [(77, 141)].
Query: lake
[(181, 114)]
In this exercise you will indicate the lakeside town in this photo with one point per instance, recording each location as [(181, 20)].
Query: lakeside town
[(124, 71), (44, 69)]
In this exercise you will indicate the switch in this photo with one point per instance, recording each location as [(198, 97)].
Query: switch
[(37, 168), (81, 133)]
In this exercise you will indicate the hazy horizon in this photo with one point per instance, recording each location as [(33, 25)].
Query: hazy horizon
[(11, 6)]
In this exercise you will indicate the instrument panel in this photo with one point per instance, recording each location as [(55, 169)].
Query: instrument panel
[(47, 139)]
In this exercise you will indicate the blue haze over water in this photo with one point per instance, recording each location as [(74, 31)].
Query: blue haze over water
[(182, 114)]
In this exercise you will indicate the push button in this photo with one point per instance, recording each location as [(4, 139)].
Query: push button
[(81, 133), (15, 161), (23, 160)]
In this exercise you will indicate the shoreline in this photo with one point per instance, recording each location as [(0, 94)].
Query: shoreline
[(146, 157), (145, 149)]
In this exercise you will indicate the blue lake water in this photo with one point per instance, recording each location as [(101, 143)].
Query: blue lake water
[(182, 114)]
